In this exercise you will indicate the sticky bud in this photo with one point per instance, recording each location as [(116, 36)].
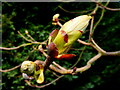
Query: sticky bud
[(26, 31), (70, 32), (55, 17), (28, 67)]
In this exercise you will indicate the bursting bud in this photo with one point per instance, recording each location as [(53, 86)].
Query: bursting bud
[(28, 67), (55, 19), (69, 33), (26, 31), (32, 70)]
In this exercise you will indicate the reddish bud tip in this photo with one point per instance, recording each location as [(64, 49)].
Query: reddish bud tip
[(64, 35), (54, 32), (66, 56), (81, 31), (52, 50)]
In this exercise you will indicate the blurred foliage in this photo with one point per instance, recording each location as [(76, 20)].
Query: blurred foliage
[(37, 18)]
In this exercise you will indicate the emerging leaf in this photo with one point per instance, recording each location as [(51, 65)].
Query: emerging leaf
[(39, 75), (65, 56), (70, 32), (28, 67)]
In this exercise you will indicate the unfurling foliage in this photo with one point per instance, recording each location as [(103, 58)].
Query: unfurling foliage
[(45, 50)]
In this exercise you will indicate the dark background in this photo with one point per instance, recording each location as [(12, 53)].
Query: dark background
[(37, 19)]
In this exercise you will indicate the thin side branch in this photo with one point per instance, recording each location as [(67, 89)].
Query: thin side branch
[(42, 86), (95, 46), (82, 69), (86, 11), (10, 69), (107, 8), (99, 48), (24, 37), (27, 33), (86, 67), (22, 45), (57, 65), (116, 53)]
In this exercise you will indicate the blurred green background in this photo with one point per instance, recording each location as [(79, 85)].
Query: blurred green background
[(36, 17)]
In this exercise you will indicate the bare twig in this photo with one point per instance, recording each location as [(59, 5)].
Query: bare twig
[(42, 51), (79, 57), (24, 37), (27, 33), (86, 11), (86, 67), (22, 45), (47, 62), (76, 49), (91, 29), (30, 54), (99, 49), (57, 65), (90, 36), (107, 8), (88, 44), (7, 70), (82, 69), (116, 53), (102, 14), (42, 86)]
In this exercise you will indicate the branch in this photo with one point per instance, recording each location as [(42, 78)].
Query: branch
[(116, 53), (81, 12), (10, 69), (107, 8), (47, 62), (82, 69), (27, 33), (42, 86), (95, 46), (86, 67), (24, 37), (57, 65), (22, 45), (42, 51), (88, 44)]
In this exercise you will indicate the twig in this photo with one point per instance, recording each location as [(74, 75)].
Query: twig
[(98, 48), (79, 57), (91, 29), (76, 49), (82, 69), (102, 14), (47, 62), (116, 53), (90, 36), (107, 8), (10, 69), (24, 37), (86, 67), (42, 51), (59, 24), (27, 33), (74, 12), (92, 21), (30, 54), (57, 65), (22, 45), (42, 86)]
